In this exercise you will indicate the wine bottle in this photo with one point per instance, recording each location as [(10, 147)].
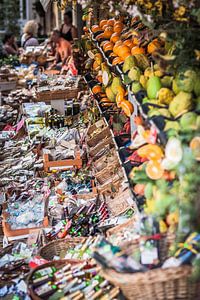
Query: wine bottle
[(41, 280), (46, 289), (45, 271)]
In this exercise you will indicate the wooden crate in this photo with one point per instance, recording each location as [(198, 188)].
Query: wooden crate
[(9, 232), (47, 96), (62, 164)]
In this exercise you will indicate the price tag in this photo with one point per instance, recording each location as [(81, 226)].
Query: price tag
[(149, 253)]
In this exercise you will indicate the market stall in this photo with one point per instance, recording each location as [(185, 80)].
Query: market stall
[(99, 186)]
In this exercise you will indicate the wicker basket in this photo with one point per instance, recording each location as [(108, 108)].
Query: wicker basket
[(54, 248), (132, 246), (56, 263), (159, 284), (57, 95)]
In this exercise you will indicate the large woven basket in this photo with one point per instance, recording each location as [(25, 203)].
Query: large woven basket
[(56, 263), (166, 240), (159, 284), (56, 247)]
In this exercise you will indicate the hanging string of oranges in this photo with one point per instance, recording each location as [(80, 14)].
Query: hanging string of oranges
[(63, 3)]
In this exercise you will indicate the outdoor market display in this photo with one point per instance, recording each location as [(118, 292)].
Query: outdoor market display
[(101, 201)]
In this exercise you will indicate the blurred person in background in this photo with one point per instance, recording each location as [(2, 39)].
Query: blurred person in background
[(10, 45), (63, 49), (29, 37), (68, 31)]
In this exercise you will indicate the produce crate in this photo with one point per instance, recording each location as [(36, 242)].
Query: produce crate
[(105, 160), (105, 132), (62, 164), (120, 201), (47, 96), (9, 232), (105, 143), (88, 196), (108, 172)]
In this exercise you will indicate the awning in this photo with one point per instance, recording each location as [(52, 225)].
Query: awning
[(45, 4)]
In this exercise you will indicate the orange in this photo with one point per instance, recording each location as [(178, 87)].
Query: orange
[(100, 36), (153, 46), (96, 89), (95, 28), (102, 23), (117, 60), (137, 50), (195, 146), (107, 104), (102, 95), (116, 47), (139, 189), (127, 54), (108, 32), (105, 100), (128, 43), (138, 120), (118, 28), (169, 175), (111, 22), (96, 66), (108, 46), (123, 50), (85, 29), (115, 37), (118, 22), (127, 107), (135, 41), (103, 43), (98, 56), (112, 54), (104, 26), (151, 152), (154, 170), (99, 78)]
